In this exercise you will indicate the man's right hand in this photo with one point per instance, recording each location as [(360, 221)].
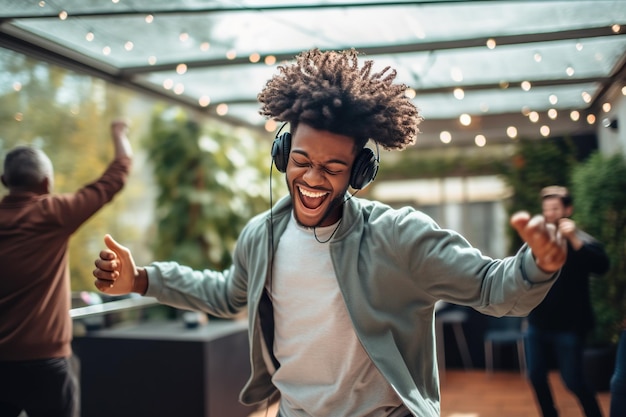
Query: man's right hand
[(116, 273)]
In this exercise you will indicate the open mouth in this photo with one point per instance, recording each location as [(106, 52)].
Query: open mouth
[(312, 199)]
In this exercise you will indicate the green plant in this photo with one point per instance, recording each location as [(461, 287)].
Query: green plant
[(211, 180), (599, 192)]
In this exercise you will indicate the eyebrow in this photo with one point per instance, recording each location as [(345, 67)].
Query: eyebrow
[(330, 161)]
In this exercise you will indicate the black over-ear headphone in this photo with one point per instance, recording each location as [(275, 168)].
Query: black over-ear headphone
[(363, 172)]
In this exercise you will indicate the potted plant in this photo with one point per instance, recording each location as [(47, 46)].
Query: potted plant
[(599, 191)]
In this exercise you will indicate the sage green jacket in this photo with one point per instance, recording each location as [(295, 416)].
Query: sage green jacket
[(391, 266)]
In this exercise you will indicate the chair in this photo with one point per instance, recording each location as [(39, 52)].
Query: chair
[(505, 331), (455, 318)]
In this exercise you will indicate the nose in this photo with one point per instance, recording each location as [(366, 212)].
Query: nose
[(314, 176)]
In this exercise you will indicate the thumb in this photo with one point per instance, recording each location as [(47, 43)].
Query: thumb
[(113, 245), (123, 254), (519, 221)]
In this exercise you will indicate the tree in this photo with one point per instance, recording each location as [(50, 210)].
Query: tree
[(598, 190)]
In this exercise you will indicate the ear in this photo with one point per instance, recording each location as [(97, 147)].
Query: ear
[(568, 211), (46, 185)]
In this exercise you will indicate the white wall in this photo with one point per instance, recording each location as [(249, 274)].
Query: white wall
[(611, 141)]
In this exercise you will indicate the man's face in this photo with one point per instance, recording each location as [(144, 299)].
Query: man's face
[(553, 209), (318, 174)]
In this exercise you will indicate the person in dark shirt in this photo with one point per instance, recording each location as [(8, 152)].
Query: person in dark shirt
[(35, 325), (558, 326), (618, 380)]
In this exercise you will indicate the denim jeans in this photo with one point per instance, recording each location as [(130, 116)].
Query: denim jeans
[(618, 381), (567, 348)]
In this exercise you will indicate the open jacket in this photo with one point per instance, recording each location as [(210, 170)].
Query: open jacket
[(391, 266)]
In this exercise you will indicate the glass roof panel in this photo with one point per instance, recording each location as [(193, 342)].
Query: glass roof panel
[(510, 100), (223, 49)]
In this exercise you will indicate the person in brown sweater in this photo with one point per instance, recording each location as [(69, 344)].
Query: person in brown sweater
[(35, 325)]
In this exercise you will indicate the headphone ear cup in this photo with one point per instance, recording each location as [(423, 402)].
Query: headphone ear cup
[(280, 151), (364, 169)]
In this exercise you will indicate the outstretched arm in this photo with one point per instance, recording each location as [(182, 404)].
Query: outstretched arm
[(546, 244), (119, 135), (116, 273)]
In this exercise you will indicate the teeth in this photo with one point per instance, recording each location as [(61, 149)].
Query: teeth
[(311, 194)]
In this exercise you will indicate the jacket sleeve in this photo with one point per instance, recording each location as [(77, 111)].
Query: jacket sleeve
[(449, 268), (214, 292)]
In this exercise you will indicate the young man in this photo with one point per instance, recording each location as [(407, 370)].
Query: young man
[(558, 326), (35, 325), (341, 291)]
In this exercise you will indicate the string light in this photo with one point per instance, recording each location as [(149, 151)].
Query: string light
[(574, 115), (552, 114), (204, 101), (445, 136), (480, 140), (553, 99), (465, 119), (591, 119), (90, 36), (204, 46), (544, 130), (222, 109), (270, 60), (606, 107), (231, 54), (511, 132), (254, 58), (181, 69), (456, 74), (270, 125), (459, 94), (491, 43), (179, 88), (526, 86)]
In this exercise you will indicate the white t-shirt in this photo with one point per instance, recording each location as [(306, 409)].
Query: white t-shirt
[(324, 370)]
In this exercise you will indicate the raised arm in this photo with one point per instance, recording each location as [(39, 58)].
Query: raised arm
[(121, 144)]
